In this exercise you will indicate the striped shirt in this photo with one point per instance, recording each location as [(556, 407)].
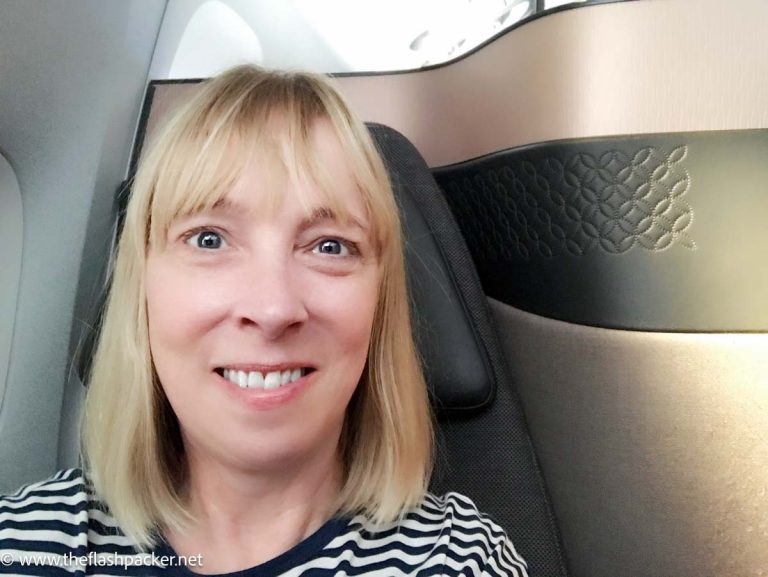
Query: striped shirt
[(58, 527)]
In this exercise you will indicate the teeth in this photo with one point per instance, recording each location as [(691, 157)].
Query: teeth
[(272, 380), (257, 380)]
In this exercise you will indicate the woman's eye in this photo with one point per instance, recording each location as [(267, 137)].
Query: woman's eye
[(206, 239), (332, 246)]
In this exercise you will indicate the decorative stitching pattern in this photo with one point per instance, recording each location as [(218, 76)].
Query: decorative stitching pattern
[(547, 207)]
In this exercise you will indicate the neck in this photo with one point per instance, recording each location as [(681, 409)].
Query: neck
[(243, 518)]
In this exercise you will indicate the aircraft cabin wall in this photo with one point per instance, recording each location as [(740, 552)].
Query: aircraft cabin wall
[(11, 223), (72, 76)]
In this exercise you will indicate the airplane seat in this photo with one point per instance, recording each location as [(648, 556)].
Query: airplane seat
[(485, 450), (628, 278)]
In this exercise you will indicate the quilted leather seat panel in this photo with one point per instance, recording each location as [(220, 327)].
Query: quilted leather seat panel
[(656, 232)]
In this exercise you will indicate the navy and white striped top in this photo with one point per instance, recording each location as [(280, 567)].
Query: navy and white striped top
[(58, 527)]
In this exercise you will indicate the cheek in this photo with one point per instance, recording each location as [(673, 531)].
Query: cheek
[(348, 309), (179, 309)]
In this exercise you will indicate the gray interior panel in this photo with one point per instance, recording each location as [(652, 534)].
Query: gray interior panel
[(654, 446), (68, 107), (652, 232), (11, 225)]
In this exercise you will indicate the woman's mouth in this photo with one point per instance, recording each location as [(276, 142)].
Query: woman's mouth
[(263, 380)]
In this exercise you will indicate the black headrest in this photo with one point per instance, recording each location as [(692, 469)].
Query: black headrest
[(448, 306)]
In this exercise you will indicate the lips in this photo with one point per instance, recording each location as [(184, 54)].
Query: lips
[(262, 387), (266, 379)]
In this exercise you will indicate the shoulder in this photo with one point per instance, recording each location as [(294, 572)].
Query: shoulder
[(475, 535), (56, 506), (59, 515), (448, 533), (60, 492)]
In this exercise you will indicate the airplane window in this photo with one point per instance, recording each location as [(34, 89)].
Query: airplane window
[(10, 261), (215, 38), (201, 37), (400, 34)]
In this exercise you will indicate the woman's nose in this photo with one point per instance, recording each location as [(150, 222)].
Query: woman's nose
[(271, 298)]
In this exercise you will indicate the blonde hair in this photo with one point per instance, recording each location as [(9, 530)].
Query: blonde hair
[(132, 447)]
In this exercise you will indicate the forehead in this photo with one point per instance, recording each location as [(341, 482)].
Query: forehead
[(316, 178)]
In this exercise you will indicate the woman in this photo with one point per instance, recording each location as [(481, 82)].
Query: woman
[(256, 405)]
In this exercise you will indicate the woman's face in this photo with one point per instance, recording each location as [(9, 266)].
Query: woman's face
[(260, 320)]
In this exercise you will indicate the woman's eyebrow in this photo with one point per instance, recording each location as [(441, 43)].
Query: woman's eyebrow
[(317, 216), (225, 204), (326, 214)]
